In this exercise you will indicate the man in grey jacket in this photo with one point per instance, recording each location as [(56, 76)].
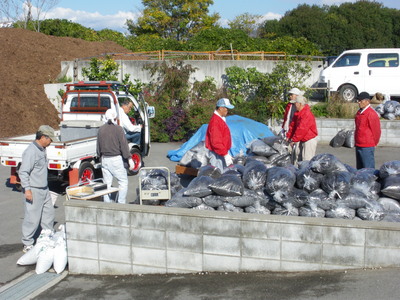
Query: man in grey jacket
[(39, 209)]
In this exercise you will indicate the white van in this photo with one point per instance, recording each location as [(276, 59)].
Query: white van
[(369, 70)]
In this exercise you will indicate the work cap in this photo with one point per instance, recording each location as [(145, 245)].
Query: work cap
[(300, 99), (296, 91), (224, 102), (48, 131), (363, 95), (111, 115)]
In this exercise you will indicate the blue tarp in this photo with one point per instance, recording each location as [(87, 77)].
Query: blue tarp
[(243, 131)]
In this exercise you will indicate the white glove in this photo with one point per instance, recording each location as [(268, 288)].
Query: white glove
[(131, 164), (228, 160)]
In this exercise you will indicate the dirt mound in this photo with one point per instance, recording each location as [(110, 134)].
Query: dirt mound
[(28, 60)]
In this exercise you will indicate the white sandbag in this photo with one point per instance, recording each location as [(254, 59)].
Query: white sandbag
[(30, 257), (60, 256), (45, 259)]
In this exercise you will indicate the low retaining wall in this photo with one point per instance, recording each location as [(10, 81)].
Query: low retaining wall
[(122, 239), (328, 128)]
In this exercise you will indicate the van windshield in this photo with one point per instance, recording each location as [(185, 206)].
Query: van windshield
[(348, 60)]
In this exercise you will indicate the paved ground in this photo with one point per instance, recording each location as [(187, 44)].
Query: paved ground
[(361, 284)]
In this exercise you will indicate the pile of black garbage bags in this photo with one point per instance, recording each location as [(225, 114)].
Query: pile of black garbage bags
[(265, 182), (389, 109)]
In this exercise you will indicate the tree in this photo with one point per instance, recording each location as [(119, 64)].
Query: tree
[(27, 12), (247, 22), (176, 19)]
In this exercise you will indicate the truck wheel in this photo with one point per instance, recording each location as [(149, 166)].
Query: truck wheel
[(348, 93), (137, 160), (86, 172)]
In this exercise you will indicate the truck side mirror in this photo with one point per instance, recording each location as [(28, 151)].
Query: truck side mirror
[(151, 112)]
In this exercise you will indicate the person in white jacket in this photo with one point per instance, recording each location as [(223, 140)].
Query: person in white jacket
[(132, 132)]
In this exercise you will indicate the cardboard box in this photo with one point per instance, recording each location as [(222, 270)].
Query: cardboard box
[(80, 191)]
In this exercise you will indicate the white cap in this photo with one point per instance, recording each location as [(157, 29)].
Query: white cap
[(296, 91), (111, 115)]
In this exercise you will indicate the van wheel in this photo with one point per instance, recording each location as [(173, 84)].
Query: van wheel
[(86, 172), (137, 160), (348, 93)]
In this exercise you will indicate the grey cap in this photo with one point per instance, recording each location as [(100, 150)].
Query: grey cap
[(48, 131)]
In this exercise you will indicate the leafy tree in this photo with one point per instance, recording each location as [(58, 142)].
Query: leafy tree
[(216, 38), (176, 19), (63, 27), (106, 69), (148, 42), (247, 22), (260, 96)]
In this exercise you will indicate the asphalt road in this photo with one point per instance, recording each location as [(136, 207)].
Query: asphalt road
[(359, 284)]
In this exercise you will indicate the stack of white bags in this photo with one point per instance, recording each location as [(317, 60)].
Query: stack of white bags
[(50, 250)]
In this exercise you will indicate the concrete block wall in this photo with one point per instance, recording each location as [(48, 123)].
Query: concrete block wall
[(115, 239), (328, 128)]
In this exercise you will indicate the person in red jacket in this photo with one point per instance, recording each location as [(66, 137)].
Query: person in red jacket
[(302, 134), (290, 109), (218, 136), (367, 132)]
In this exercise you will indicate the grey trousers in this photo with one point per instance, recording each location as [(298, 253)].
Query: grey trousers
[(38, 212)]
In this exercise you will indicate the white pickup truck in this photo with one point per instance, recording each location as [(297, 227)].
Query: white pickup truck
[(74, 158)]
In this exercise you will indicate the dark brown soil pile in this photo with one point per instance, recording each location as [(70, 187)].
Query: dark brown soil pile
[(27, 61)]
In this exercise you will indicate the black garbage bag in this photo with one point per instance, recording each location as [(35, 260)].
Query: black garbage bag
[(282, 160), (254, 175), (349, 141), (337, 184), (234, 172), (226, 206), (390, 106), (389, 168), (321, 199), (282, 147), (311, 211), (295, 197), (372, 212), (179, 200), (389, 116), (339, 139), (355, 199), (257, 208), (209, 171), (203, 206), (271, 140), (258, 147), (380, 109), (326, 163), (341, 212), (239, 159), (391, 217), (397, 111), (286, 210), (199, 187), (279, 178), (228, 186), (247, 199), (307, 179), (258, 158), (154, 179), (350, 169), (365, 181), (389, 204), (391, 186), (214, 200), (175, 183)]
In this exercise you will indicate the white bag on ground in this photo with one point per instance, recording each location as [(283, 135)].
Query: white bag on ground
[(30, 257), (60, 255), (45, 259)]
